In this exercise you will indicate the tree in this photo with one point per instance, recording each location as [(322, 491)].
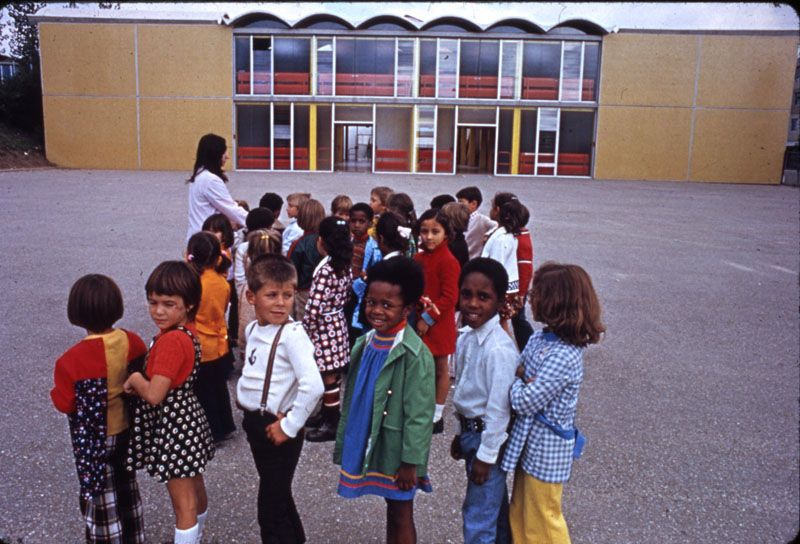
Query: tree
[(22, 33)]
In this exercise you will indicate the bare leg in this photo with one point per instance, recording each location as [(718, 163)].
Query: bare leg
[(400, 527), (184, 502), (200, 492), (442, 378)]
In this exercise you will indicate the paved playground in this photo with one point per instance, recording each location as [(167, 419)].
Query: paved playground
[(690, 404)]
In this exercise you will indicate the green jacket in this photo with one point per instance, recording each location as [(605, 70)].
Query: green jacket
[(402, 409)]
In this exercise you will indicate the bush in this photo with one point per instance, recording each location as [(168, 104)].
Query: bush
[(21, 103)]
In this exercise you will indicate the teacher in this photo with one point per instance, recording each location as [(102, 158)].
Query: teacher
[(207, 191)]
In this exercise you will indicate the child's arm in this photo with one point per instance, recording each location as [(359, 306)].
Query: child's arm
[(63, 392), (240, 255), (448, 295), (531, 396), (153, 391), (316, 299)]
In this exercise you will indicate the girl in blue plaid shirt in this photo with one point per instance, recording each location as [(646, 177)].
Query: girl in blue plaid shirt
[(547, 384)]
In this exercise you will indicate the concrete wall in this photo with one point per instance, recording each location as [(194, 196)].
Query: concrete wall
[(690, 107), (134, 96)]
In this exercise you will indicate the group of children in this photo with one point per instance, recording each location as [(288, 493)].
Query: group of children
[(372, 294)]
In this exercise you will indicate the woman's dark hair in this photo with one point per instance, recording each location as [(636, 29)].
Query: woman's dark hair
[(491, 269), (202, 251), (219, 223), (512, 216), (94, 303), (400, 271), (364, 208), (564, 299), (309, 215), (437, 215), (176, 278), (403, 206), (440, 200), (210, 150), (259, 218), (335, 236), (387, 233)]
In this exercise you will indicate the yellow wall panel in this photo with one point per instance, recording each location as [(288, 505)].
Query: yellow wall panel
[(739, 146), (171, 128), (747, 71), (88, 59), (643, 143), (91, 132), (648, 69), (185, 60)]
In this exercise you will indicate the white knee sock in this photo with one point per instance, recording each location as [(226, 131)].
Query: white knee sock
[(437, 413), (201, 522), (187, 536)]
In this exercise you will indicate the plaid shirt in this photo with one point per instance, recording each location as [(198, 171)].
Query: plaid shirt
[(553, 375)]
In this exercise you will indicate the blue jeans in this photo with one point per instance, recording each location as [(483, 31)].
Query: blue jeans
[(485, 508)]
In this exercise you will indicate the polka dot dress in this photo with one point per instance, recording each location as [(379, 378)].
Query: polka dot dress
[(172, 439)]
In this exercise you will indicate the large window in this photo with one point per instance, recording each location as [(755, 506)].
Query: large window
[(575, 143), (324, 66), (427, 68), (426, 122), (445, 140), (591, 66), (572, 67), (405, 67), (527, 142), (393, 127), (324, 137), (300, 142), (252, 137), (546, 142), (365, 67), (509, 56), (478, 69), (292, 66), (448, 67), (505, 137), (282, 136), (541, 63)]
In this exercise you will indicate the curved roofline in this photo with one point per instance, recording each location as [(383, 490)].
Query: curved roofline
[(321, 17), (386, 19), (522, 24), (584, 25), (252, 16), (469, 26)]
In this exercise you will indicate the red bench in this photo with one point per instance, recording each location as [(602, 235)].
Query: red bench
[(427, 84), (365, 84), (477, 87), (393, 160), (292, 83), (283, 162), (444, 160), (540, 88), (573, 164), (261, 81), (252, 157)]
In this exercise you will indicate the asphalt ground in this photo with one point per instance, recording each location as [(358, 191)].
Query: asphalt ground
[(690, 404)]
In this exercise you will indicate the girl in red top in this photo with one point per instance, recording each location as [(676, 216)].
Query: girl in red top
[(170, 436), (437, 322)]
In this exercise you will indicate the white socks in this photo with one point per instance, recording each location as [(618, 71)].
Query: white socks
[(437, 413), (187, 536), (201, 521)]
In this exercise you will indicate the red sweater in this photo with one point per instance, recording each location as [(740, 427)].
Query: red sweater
[(524, 261), (441, 286)]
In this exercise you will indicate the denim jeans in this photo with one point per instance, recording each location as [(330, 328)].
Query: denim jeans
[(485, 508)]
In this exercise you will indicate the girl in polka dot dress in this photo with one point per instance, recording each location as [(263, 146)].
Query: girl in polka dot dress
[(324, 318), (171, 438)]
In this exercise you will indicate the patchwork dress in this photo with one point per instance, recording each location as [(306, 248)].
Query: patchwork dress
[(172, 439), (324, 319)]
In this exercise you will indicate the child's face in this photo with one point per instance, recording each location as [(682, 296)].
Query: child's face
[(358, 223), (432, 234), (291, 209), (477, 300), (384, 306), (273, 302), (376, 204), (167, 311), (471, 205), (494, 212)]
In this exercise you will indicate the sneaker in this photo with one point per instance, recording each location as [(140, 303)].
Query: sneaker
[(324, 433), (438, 426)]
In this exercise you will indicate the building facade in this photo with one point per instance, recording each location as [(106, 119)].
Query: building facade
[(391, 93)]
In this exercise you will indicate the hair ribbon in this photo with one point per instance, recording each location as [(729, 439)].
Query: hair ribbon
[(405, 232)]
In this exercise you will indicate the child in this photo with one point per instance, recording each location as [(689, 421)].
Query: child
[(257, 219), (273, 202), (458, 215), (392, 237), (220, 226), (365, 254), (304, 253), (402, 205), (544, 397), (440, 200), (437, 322), (324, 319), (167, 406), (478, 224), (340, 207), (88, 388), (378, 200), (216, 361), (274, 425), (293, 231), (391, 377), (486, 359)]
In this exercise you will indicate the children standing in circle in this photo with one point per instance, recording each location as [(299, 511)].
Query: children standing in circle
[(216, 362), (544, 397), (324, 318), (88, 380), (486, 359), (277, 404), (437, 323), (390, 378), (170, 436)]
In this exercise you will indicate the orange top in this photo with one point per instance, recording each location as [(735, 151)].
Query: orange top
[(210, 320)]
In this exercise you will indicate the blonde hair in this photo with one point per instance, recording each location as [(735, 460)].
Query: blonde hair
[(341, 204), (458, 214)]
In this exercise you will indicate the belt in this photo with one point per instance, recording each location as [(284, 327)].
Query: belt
[(474, 425)]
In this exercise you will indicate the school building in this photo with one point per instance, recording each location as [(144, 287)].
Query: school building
[(680, 92)]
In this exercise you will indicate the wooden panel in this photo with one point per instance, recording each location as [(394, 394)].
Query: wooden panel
[(648, 69), (87, 59), (171, 128), (643, 143), (84, 132), (739, 146), (185, 60), (747, 71)]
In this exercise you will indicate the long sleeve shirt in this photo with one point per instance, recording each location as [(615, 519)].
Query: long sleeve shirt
[(291, 233), (208, 195), (296, 384), (502, 247), (477, 227), (486, 360)]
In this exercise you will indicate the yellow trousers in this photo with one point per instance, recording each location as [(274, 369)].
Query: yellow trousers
[(535, 512)]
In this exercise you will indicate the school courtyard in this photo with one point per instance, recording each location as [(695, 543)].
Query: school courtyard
[(690, 404)]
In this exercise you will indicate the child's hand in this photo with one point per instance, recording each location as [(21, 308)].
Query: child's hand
[(480, 471), (422, 327), (455, 448), (406, 476), (127, 387), (275, 433), (520, 372)]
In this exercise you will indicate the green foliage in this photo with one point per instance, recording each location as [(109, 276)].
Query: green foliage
[(23, 37)]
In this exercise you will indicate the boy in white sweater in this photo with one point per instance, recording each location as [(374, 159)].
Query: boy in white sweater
[(277, 400), (479, 225)]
